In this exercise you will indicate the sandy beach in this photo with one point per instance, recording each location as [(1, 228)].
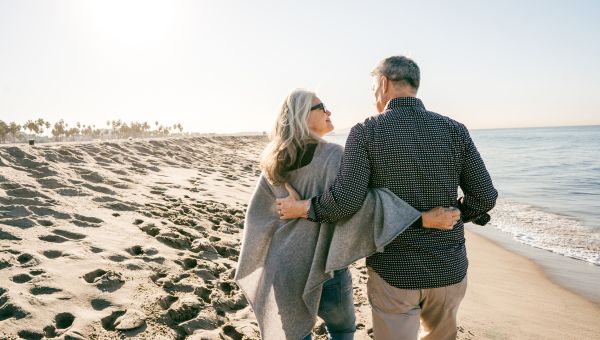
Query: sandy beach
[(139, 239)]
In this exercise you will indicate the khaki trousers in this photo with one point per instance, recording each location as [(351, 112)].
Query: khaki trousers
[(397, 313)]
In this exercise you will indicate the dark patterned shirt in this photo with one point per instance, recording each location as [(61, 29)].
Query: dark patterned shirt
[(422, 157)]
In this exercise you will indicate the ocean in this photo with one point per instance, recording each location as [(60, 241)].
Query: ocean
[(548, 181)]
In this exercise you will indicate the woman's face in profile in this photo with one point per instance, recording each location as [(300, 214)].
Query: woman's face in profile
[(319, 121)]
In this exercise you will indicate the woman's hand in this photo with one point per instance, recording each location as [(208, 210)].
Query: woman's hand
[(441, 218), (291, 206)]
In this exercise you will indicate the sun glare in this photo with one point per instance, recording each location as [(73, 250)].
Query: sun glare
[(131, 22)]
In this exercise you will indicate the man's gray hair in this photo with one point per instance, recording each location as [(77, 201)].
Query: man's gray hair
[(399, 69)]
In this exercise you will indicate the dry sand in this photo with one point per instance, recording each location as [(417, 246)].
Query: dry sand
[(109, 240)]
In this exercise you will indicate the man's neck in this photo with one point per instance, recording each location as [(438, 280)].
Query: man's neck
[(400, 95)]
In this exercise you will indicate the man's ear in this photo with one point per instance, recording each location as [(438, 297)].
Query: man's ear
[(384, 84)]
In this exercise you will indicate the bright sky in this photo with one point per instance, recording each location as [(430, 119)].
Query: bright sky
[(225, 66)]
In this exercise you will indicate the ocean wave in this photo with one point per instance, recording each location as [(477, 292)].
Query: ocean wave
[(534, 226)]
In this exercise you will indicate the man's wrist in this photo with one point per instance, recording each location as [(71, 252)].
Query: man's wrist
[(424, 220), (311, 214), (418, 223)]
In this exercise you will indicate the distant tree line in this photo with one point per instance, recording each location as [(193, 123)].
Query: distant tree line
[(61, 131)]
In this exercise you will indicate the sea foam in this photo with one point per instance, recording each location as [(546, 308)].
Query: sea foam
[(531, 225)]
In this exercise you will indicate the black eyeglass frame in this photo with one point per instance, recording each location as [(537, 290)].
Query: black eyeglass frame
[(318, 106)]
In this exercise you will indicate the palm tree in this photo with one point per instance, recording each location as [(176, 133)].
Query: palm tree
[(145, 128), (58, 130), (42, 125), (3, 131), (31, 126), (79, 130), (13, 130), (116, 124)]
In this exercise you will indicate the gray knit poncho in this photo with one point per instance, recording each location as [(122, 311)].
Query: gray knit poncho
[(283, 264)]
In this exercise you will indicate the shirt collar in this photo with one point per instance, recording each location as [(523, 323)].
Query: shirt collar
[(404, 101)]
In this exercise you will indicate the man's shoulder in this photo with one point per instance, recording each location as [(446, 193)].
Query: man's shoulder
[(447, 120), (386, 117)]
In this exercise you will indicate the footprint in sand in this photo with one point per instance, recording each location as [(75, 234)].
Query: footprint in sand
[(100, 304), (120, 206), (99, 188), (22, 192), (119, 172), (96, 250), (45, 223), (21, 278), (30, 334), (103, 199), (27, 260), (22, 223), (106, 281), (71, 192), (5, 264), (42, 211), (8, 236), (8, 310), (52, 183), (117, 258), (108, 322), (86, 221), (135, 250), (90, 176), (89, 219), (43, 290), (52, 254), (53, 238), (69, 234), (62, 321), (36, 272), (15, 211), (187, 263)]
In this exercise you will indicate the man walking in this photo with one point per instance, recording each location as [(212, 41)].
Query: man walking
[(423, 158)]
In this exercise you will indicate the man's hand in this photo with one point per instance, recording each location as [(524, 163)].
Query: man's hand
[(441, 218), (291, 206)]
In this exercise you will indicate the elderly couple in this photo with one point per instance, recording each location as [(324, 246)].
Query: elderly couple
[(391, 195)]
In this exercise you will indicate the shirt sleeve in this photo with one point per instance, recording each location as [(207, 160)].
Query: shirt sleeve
[(347, 193), (475, 181)]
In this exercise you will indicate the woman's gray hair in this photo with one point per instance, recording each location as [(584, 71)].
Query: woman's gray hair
[(289, 135), (399, 69)]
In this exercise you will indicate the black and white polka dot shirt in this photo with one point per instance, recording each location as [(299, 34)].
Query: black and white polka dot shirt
[(423, 157)]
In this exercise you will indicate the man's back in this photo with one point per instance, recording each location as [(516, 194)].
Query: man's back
[(423, 158), (416, 154)]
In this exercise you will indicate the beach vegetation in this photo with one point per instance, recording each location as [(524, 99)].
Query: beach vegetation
[(61, 131)]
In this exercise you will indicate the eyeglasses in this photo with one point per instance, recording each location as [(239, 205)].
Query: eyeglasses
[(318, 106)]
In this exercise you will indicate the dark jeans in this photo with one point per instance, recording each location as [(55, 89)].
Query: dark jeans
[(337, 307)]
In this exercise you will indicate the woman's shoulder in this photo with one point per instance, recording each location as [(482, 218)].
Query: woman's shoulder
[(331, 152), (332, 148)]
